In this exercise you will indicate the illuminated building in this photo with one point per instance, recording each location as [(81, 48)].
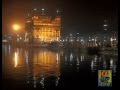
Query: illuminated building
[(43, 28), (113, 40)]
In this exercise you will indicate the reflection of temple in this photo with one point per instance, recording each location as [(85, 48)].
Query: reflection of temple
[(43, 28), (45, 64)]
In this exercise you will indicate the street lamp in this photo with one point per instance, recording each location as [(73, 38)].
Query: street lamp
[(16, 27)]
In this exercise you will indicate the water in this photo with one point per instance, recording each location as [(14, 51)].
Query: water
[(50, 69)]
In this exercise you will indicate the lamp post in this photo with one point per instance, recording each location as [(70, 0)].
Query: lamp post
[(16, 28)]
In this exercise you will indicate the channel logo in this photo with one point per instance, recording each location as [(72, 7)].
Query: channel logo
[(104, 78)]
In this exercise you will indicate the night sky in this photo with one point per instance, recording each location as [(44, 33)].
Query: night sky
[(83, 16)]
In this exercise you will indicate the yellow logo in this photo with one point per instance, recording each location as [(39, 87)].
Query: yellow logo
[(104, 77)]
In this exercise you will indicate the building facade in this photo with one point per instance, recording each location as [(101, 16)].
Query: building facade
[(43, 28)]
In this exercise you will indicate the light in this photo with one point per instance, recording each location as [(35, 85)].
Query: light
[(111, 39), (57, 11), (4, 41), (71, 40), (35, 9), (105, 25), (28, 21), (81, 40), (43, 9), (20, 38), (16, 27)]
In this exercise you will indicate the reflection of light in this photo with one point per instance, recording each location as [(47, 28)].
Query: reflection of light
[(17, 39), (42, 82), (82, 58), (26, 56), (105, 25), (92, 64), (71, 40), (9, 49), (105, 29), (77, 39), (95, 58), (57, 58), (65, 58), (20, 37), (34, 82), (47, 62), (81, 40), (111, 39), (5, 48), (111, 62), (16, 59), (89, 40), (56, 83), (93, 39), (71, 57), (77, 61)]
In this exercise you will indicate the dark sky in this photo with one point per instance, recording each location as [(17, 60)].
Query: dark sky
[(83, 16)]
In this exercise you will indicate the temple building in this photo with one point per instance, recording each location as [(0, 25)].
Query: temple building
[(43, 28)]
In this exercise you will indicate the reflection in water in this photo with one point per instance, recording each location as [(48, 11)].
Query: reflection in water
[(78, 61), (105, 63), (82, 58), (42, 82), (45, 64), (111, 62), (44, 67), (16, 59), (94, 63), (4, 49), (113, 65), (71, 57), (9, 49)]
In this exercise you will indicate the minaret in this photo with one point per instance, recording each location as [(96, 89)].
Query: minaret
[(43, 11), (35, 9), (35, 12), (57, 11)]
